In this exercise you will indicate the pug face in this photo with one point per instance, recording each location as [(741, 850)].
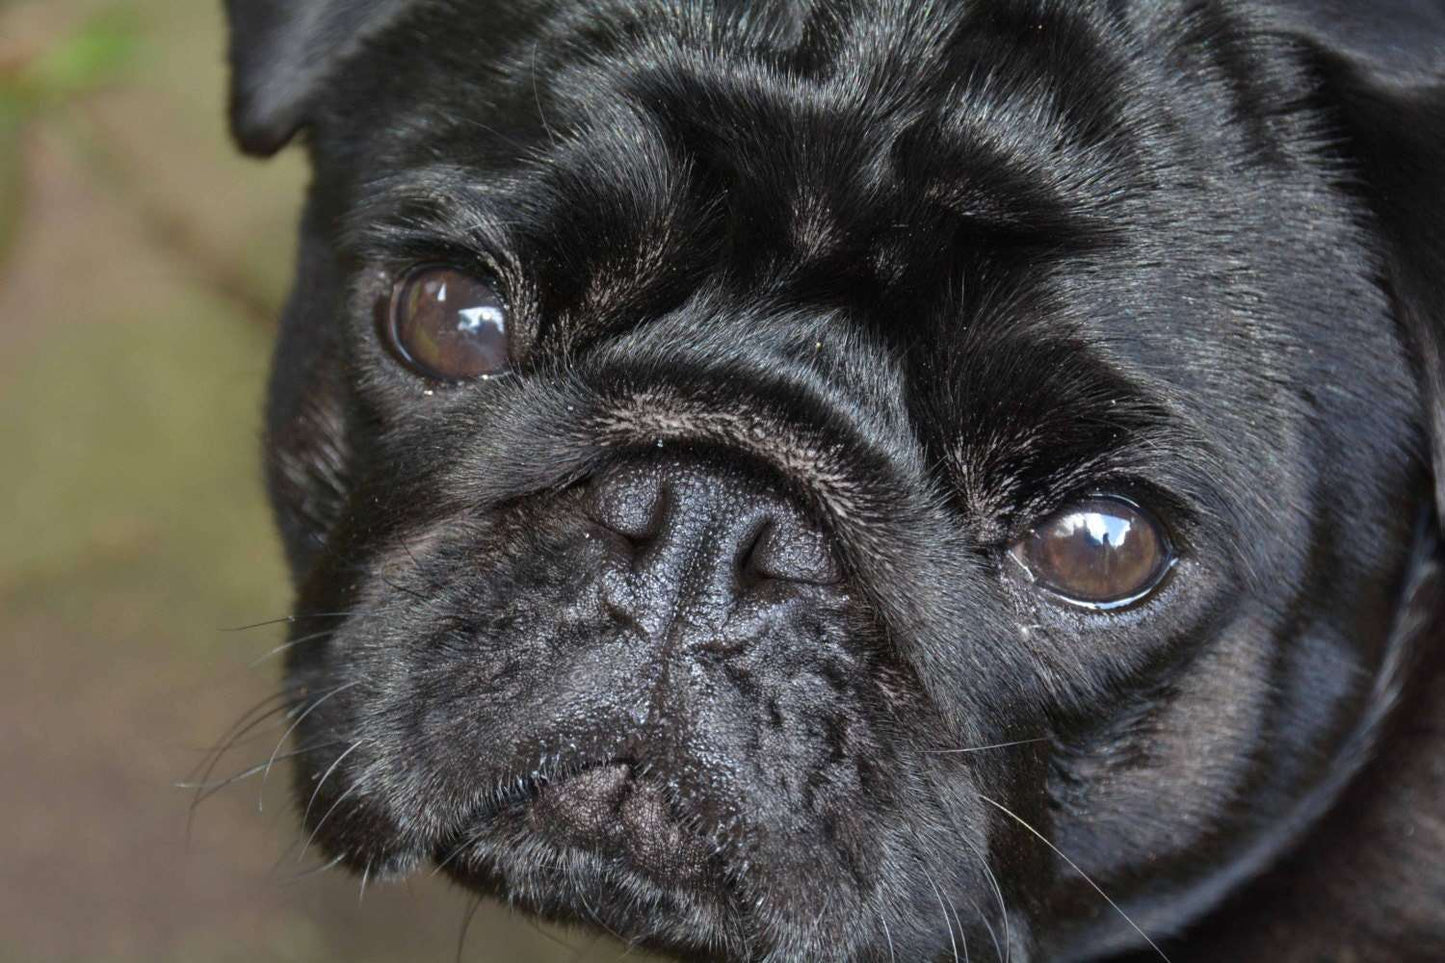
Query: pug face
[(844, 481)]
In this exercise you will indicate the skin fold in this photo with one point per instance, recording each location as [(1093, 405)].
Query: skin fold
[(703, 620)]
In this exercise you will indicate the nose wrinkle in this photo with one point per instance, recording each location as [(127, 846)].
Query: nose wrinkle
[(683, 576), (697, 550), (731, 651), (700, 536), (632, 505)]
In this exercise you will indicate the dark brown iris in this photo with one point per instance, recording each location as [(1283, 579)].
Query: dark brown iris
[(449, 325), (1103, 552)]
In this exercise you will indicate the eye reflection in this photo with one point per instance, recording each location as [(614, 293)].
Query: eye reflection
[(1101, 530), (473, 320), (448, 325), (1101, 553)]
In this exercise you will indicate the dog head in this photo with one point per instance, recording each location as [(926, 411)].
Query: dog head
[(842, 479)]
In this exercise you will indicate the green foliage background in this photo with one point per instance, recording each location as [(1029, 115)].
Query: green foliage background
[(142, 264)]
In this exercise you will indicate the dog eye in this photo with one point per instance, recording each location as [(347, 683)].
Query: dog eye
[(1099, 553), (448, 325)]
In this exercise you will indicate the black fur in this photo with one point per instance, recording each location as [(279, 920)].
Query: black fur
[(897, 279)]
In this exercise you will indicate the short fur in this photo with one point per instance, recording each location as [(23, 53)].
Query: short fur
[(905, 276)]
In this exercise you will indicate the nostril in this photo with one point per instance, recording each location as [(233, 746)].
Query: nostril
[(783, 549), (751, 562), (705, 523), (630, 503)]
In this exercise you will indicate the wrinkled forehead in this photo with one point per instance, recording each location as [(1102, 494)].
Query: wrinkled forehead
[(808, 132), (981, 186)]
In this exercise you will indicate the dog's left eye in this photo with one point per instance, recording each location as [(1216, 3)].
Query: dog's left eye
[(1102, 553), (448, 325)]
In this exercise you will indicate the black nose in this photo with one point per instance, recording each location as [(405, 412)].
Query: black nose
[(719, 522)]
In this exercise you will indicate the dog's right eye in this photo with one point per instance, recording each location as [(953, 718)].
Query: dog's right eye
[(448, 325), (1100, 553)]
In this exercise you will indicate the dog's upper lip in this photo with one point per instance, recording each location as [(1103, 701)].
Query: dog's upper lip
[(614, 810)]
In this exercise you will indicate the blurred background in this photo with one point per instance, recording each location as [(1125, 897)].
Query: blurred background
[(142, 265)]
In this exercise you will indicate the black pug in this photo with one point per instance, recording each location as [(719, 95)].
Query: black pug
[(872, 479)]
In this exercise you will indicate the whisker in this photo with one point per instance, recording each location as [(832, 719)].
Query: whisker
[(537, 97), (322, 822), (285, 855), (947, 922), (1006, 953), (463, 847), (574, 950), (240, 727), (405, 591), (287, 619), (630, 946), (939, 895), (261, 796), (992, 933), (322, 781), (201, 774), (246, 737), (208, 789), (962, 936), (996, 745), (1008, 944), (598, 919), (314, 870), (523, 148), (887, 935), (1075, 867), (291, 644), (466, 925)]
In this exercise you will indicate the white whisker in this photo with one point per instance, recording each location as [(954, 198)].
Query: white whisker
[(1075, 867), (997, 745)]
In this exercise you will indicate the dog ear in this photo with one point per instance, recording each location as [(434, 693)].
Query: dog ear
[(281, 51), (1382, 63)]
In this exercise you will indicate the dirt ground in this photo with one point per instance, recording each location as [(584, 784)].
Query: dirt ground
[(141, 265)]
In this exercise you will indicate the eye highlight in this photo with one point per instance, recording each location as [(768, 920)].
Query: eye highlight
[(1101, 553), (448, 325)]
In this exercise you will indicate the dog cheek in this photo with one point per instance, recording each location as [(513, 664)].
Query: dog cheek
[(307, 474)]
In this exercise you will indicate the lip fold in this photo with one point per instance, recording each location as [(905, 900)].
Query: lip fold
[(612, 811), (616, 812)]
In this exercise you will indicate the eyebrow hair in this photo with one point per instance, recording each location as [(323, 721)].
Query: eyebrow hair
[(504, 196), (426, 206), (1034, 110)]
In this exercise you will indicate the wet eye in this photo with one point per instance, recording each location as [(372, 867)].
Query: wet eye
[(1099, 553), (448, 325)]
